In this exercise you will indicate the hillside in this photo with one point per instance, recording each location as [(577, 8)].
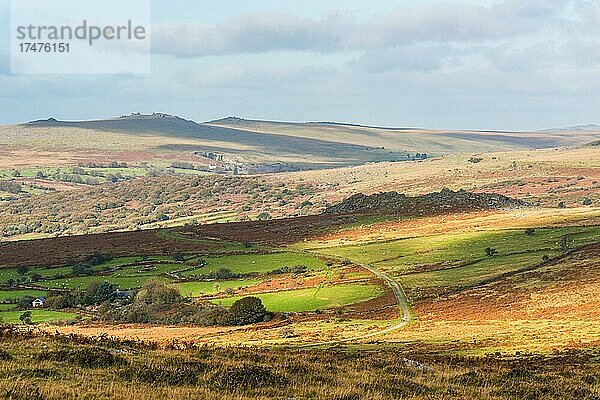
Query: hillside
[(249, 146), (161, 135), (416, 139)]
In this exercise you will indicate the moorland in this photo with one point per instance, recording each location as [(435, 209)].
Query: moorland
[(250, 258)]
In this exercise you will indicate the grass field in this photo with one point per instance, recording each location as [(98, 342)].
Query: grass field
[(320, 298), (432, 262), (82, 282), (19, 294), (37, 316), (252, 263), (198, 289)]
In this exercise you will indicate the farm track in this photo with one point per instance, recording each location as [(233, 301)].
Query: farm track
[(403, 305)]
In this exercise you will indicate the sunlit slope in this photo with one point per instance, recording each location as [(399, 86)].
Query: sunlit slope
[(160, 133), (415, 139)]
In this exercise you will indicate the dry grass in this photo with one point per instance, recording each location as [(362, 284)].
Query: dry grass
[(61, 368)]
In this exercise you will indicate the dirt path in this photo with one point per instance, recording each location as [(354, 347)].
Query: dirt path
[(403, 305)]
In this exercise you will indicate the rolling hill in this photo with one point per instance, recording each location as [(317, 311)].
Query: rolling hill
[(277, 146)]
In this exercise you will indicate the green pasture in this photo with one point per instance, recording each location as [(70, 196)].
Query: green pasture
[(319, 298), (6, 295), (37, 316), (448, 260), (258, 263), (198, 289)]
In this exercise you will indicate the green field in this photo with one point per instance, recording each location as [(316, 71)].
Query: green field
[(12, 317), (198, 289), (264, 263), (82, 282), (19, 294), (319, 298), (447, 260)]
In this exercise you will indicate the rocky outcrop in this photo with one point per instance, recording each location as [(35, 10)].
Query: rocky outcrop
[(443, 202)]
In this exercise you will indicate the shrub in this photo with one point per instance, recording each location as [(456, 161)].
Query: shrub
[(247, 310), (248, 377), (22, 269), (490, 251), (154, 292), (177, 256), (89, 357), (298, 269), (98, 293), (25, 303), (263, 216), (25, 317)]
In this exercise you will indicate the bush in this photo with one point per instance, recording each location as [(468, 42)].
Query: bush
[(248, 377), (89, 357), (298, 269), (263, 216), (82, 269), (22, 269), (490, 251), (26, 317), (247, 310), (529, 232), (154, 292), (5, 355), (98, 293)]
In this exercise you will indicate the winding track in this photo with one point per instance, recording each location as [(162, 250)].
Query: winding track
[(402, 304)]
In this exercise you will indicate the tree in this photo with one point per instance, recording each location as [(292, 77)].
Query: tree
[(565, 243), (562, 205), (491, 252), (178, 256), (22, 269), (247, 310), (82, 269), (26, 317), (154, 292), (587, 201), (529, 232), (98, 293), (25, 302), (263, 216)]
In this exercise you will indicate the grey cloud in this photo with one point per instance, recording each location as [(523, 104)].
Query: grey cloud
[(338, 31), (251, 34)]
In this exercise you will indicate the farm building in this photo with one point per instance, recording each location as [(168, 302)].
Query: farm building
[(39, 302)]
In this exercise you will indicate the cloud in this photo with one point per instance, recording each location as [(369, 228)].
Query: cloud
[(339, 31), (415, 58), (251, 34)]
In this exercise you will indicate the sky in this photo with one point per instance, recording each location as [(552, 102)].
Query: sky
[(512, 64)]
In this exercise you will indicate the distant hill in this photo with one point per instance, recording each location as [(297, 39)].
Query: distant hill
[(234, 143), (271, 145), (575, 128), (421, 140)]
